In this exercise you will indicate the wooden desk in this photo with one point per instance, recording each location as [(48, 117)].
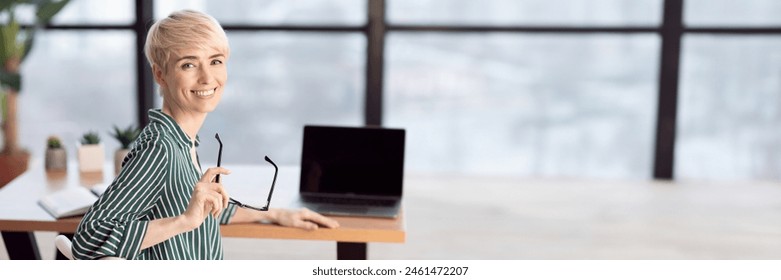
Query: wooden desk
[(20, 214)]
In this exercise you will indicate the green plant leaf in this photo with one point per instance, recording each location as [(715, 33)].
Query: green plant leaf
[(7, 5), (90, 138), (27, 45), (11, 80), (125, 136), (3, 106), (53, 142), (48, 9), (4, 43), (8, 40), (10, 45)]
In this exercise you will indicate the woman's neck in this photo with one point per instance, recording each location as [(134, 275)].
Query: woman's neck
[(190, 122)]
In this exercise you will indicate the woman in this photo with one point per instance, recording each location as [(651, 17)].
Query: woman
[(160, 206)]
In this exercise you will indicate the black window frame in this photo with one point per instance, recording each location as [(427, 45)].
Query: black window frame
[(671, 30)]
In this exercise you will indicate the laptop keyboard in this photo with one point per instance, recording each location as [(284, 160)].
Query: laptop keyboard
[(352, 201)]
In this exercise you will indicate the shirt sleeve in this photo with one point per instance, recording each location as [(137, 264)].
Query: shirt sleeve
[(116, 225), (227, 215)]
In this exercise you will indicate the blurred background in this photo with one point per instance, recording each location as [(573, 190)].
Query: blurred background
[(569, 99), (564, 88)]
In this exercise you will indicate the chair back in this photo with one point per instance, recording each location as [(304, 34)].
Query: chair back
[(64, 245)]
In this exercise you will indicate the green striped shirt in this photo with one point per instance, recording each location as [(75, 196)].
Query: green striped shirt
[(156, 181)]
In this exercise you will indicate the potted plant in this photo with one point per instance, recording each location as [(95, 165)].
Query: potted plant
[(56, 158), (125, 138), (15, 44), (91, 153)]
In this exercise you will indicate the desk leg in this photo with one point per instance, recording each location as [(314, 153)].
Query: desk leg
[(350, 251), (21, 245)]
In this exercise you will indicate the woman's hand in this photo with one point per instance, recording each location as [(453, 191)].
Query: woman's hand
[(208, 198), (302, 218)]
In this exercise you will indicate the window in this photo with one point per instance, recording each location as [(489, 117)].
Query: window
[(577, 98), (277, 83), (520, 104), (97, 12), (273, 12), (747, 13), (82, 91), (730, 108), (528, 12)]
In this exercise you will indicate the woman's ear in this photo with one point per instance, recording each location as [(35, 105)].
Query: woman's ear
[(158, 73)]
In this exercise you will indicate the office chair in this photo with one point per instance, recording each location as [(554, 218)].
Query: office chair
[(64, 245)]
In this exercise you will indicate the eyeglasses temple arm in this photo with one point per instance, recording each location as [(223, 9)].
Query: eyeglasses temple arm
[(219, 156), (273, 182)]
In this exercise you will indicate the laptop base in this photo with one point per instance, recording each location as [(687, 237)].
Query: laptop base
[(389, 212)]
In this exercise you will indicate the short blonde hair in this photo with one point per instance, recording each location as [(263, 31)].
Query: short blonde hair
[(183, 29)]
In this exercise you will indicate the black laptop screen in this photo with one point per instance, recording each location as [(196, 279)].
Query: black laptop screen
[(350, 160)]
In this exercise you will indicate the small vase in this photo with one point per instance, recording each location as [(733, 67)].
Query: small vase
[(119, 156), (56, 159), (91, 158)]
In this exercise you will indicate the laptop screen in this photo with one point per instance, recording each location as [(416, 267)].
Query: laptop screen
[(359, 161)]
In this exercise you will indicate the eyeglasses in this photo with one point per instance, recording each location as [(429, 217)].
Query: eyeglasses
[(270, 192)]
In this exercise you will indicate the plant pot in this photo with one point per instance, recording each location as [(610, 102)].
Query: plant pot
[(56, 159), (119, 156), (91, 158)]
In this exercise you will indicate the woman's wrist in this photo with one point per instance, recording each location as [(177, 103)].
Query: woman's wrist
[(184, 223), (270, 216)]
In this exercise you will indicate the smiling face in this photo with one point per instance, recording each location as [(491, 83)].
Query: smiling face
[(192, 81)]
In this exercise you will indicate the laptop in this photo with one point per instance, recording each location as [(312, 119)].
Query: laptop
[(352, 171)]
